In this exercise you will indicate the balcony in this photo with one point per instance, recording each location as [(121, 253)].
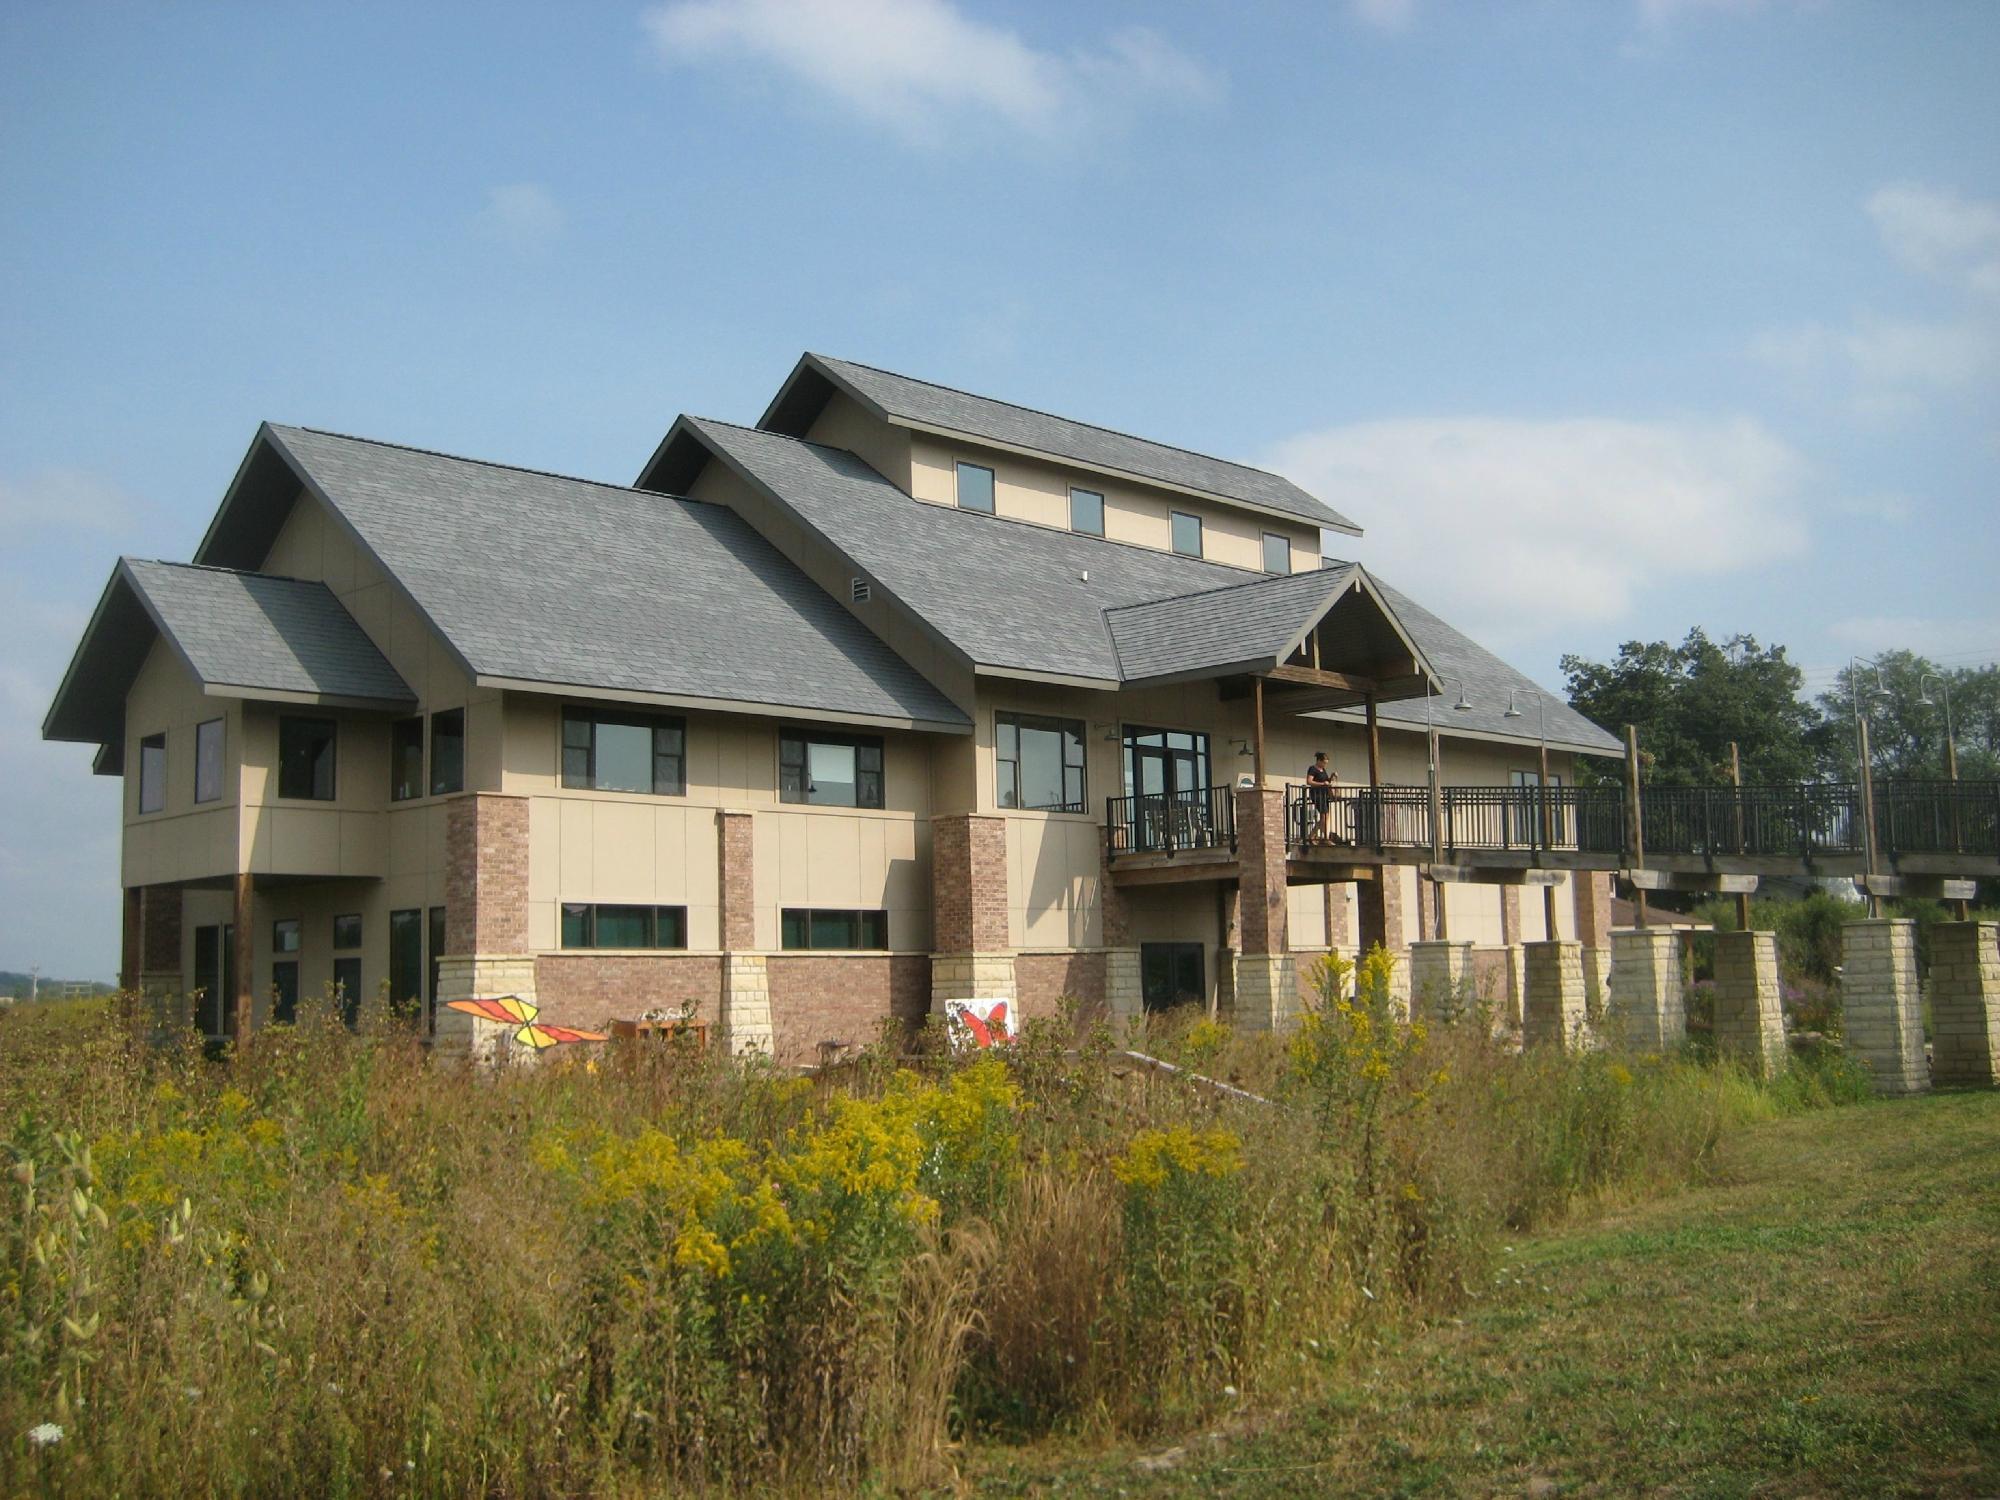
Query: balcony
[(1169, 823)]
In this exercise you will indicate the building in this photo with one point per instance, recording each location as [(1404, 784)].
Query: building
[(899, 694)]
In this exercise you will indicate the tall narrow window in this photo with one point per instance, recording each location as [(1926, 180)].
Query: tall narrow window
[(208, 761), (305, 758), (1187, 533), (1086, 512), (434, 948), (152, 773), (406, 759), (1039, 762), (347, 931), (285, 991), (448, 752), (611, 752), (829, 770), (975, 488), (1277, 553), (406, 960)]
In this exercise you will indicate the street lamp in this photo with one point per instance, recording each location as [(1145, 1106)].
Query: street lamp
[(1548, 830), (1464, 705), (1950, 742)]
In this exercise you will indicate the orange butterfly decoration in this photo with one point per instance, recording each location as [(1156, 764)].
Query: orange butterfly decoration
[(513, 1010)]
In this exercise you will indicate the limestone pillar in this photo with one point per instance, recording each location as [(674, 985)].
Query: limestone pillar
[(1878, 985), (1515, 996), (486, 953), (970, 956), (743, 1009), (1646, 1008), (1749, 1020), (1552, 1009), (1266, 983), (1440, 980), (1965, 1003)]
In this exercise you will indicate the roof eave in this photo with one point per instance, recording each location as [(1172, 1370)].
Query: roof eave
[(809, 712)]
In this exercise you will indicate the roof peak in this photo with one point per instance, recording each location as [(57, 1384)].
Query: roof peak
[(462, 458)]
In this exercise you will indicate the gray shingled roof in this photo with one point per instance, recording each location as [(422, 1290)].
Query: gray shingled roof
[(1013, 596), (265, 634), (539, 578), (1018, 426), (1255, 620)]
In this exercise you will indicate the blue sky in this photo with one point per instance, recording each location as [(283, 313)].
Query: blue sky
[(1606, 319)]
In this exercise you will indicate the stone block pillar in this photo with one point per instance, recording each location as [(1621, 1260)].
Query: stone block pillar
[(1878, 985), (1965, 1003), (485, 922), (1749, 1020), (744, 1008), (1266, 982), (1647, 1010), (970, 956), (1552, 1008), (1590, 895), (1440, 980)]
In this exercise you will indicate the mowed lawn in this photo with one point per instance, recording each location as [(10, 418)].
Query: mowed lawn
[(1824, 1319)]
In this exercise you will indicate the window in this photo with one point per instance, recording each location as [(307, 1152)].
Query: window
[(436, 946), (406, 960), (448, 752), (1040, 762), (305, 759), (1524, 809), (1187, 533), (975, 488), (347, 990), (588, 926), (152, 773), (285, 992), (406, 759), (347, 932), (215, 977), (829, 770), (208, 761), (610, 752), (819, 928), (1086, 512), (1277, 553), (285, 935)]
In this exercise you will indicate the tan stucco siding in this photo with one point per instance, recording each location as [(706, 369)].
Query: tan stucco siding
[(184, 840), (1037, 490), (883, 446)]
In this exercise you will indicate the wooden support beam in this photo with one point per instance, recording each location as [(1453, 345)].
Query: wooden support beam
[(1315, 677), (1635, 819), (1736, 780), (1930, 887), (1374, 744), (1691, 880), (1257, 750), (244, 940), (1488, 875)]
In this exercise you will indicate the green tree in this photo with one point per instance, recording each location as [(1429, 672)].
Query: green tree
[(1690, 701), (1906, 732)]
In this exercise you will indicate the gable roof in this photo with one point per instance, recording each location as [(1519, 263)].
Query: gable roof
[(939, 408), (240, 635), (548, 583)]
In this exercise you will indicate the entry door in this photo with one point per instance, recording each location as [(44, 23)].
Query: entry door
[(1171, 974), (215, 977)]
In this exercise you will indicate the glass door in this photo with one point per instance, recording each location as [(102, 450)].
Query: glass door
[(215, 977), (1167, 773), (1171, 974)]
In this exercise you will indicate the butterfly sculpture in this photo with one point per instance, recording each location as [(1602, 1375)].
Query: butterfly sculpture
[(512, 1010), (977, 1024)]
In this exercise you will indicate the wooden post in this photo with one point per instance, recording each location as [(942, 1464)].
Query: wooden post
[(1635, 821), (1736, 780), (1374, 744), (1257, 743), (1548, 842), (1867, 814), (246, 947), (1437, 834)]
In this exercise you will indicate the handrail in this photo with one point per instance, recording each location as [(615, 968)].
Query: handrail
[(1168, 822)]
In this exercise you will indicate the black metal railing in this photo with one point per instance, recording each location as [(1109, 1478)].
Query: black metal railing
[(1800, 821), (1383, 817), (1167, 822), (1938, 817), (1585, 820)]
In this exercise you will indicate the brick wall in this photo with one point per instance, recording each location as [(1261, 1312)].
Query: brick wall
[(1592, 898), (584, 989), (821, 997), (486, 874), (1510, 915), (1260, 845), (1042, 979), (968, 884), (133, 935), (735, 883), (1113, 905), (1379, 905), (160, 939)]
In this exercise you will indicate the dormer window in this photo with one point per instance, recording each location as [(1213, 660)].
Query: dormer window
[(1187, 533), (1086, 512), (975, 488), (1277, 553)]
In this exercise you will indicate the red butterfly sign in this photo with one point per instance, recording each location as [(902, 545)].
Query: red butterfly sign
[(977, 1024)]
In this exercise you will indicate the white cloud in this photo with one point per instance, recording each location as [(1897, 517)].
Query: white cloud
[(1941, 233), (59, 499), (1384, 15), (1520, 528), (916, 66), (522, 215), (1883, 358)]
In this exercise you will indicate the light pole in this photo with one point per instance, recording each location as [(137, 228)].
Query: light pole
[(1464, 705), (1854, 666), (1950, 758), (1548, 830)]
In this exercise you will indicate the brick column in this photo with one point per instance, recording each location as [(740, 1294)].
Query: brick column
[(1646, 1009), (1965, 1003), (745, 1004), (970, 955), (1266, 984), (1336, 916), (1749, 1021), (1552, 1009), (1878, 983), (160, 939), (1440, 980), (1516, 960), (485, 919), (1380, 903), (1590, 897), (131, 936), (1123, 997)]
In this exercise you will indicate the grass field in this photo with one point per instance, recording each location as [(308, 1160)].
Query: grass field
[(1824, 1318)]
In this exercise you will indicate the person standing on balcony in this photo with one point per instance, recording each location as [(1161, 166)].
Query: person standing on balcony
[(1319, 791)]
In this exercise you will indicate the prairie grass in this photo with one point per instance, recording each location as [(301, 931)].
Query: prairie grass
[(335, 1265)]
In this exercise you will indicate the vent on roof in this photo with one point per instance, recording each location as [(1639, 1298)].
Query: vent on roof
[(859, 592)]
